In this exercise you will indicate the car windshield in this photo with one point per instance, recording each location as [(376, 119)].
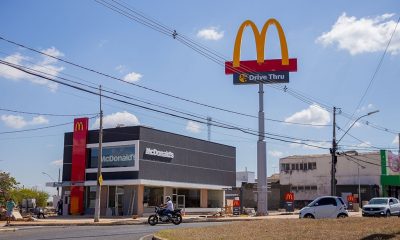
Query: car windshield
[(378, 201)]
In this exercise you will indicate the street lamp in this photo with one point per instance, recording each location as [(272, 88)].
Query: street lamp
[(358, 173), (370, 113), (58, 182)]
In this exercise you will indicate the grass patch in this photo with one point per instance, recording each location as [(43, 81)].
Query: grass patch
[(327, 229)]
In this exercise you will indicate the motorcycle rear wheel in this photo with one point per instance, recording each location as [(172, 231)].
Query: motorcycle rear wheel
[(177, 219), (152, 220)]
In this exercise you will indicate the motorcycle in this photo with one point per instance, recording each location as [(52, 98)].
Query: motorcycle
[(175, 217)]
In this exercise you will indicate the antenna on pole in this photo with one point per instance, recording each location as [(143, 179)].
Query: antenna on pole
[(209, 119)]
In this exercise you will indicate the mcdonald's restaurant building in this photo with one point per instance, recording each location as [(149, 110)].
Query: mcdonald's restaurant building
[(140, 167)]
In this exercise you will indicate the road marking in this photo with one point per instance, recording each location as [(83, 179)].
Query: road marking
[(143, 238)]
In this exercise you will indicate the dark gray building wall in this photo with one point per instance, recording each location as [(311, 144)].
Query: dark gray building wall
[(195, 160)]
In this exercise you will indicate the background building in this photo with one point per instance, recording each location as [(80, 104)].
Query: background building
[(390, 178), (309, 176)]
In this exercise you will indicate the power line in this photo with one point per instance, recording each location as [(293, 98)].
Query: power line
[(34, 129), (376, 69), (357, 159), (47, 114), (154, 90), (21, 68), (213, 56)]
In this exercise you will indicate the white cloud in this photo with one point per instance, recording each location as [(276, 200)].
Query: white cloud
[(57, 162), (364, 144), (312, 115), (210, 33), (396, 140), (275, 153), (14, 121), (46, 66), (363, 35), (193, 127), (17, 122), (119, 118), (369, 107), (133, 77), (39, 120), (120, 68)]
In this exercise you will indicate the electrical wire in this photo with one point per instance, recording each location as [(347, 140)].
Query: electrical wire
[(154, 90), (47, 114), (376, 70), (21, 68), (206, 52)]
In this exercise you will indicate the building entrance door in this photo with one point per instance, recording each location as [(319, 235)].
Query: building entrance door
[(116, 200)]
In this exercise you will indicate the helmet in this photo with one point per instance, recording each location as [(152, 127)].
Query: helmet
[(168, 198)]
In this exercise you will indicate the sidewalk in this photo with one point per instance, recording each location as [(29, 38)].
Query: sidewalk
[(88, 221)]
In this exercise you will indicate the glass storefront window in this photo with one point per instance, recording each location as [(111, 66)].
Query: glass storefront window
[(153, 196), (90, 197), (214, 199), (192, 197)]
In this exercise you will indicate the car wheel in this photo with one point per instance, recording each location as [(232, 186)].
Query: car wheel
[(309, 216), (387, 214), (342, 215)]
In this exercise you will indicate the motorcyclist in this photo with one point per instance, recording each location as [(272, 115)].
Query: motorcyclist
[(168, 207)]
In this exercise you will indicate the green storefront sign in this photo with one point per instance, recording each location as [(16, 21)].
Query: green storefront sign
[(390, 171)]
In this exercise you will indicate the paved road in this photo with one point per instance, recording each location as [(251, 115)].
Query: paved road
[(118, 232)]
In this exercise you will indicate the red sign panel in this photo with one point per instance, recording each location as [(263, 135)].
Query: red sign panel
[(269, 65), (78, 163), (350, 198), (236, 203), (289, 197)]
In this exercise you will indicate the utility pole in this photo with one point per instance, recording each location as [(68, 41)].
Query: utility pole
[(334, 158), (262, 198), (99, 163), (59, 180), (209, 128)]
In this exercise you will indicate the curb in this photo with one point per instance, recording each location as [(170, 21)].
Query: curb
[(8, 229), (155, 237), (77, 224), (193, 220)]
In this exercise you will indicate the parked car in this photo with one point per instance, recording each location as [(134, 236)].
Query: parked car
[(384, 206), (325, 207)]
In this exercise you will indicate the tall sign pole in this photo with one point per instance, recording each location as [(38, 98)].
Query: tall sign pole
[(262, 199), (261, 72), (99, 163)]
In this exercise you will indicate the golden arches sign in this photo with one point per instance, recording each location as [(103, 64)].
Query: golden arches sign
[(260, 38), (79, 126)]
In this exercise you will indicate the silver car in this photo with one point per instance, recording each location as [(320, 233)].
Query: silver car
[(385, 206)]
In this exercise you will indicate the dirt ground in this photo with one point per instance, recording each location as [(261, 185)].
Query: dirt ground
[(327, 229)]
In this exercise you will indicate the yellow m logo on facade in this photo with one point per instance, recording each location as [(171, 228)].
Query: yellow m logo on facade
[(79, 126), (260, 38)]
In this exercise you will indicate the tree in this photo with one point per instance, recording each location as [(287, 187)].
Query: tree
[(25, 193), (7, 184)]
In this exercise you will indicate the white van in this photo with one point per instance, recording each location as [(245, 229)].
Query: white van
[(325, 207)]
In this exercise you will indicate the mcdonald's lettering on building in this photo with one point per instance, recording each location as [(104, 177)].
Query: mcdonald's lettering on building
[(261, 70)]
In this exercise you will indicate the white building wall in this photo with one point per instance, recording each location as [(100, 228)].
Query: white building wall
[(346, 173)]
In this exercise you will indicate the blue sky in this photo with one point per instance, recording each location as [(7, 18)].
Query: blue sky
[(338, 45)]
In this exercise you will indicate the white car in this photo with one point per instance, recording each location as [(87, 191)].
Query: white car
[(325, 207), (385, 206)]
